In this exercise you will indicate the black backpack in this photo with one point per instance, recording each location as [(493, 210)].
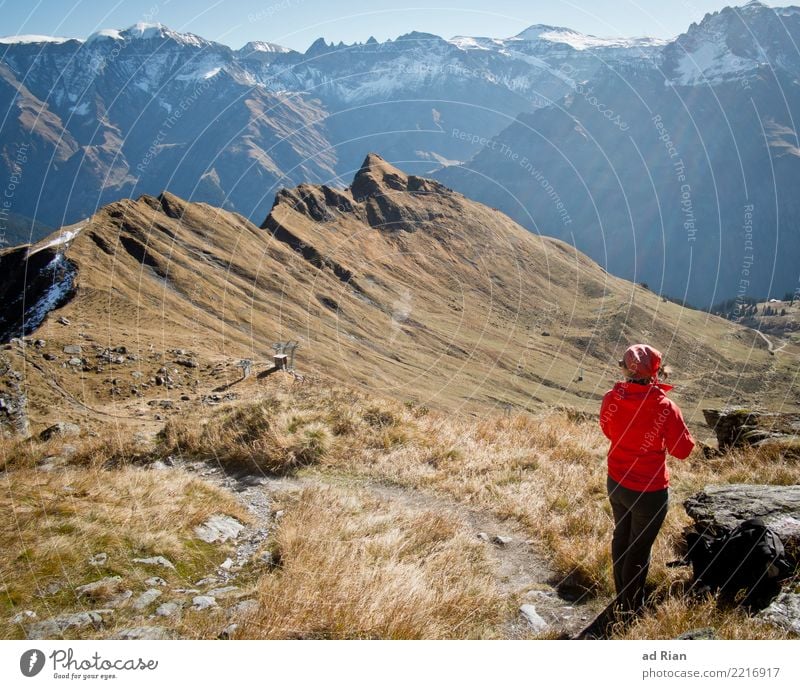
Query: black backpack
[(745, 566)]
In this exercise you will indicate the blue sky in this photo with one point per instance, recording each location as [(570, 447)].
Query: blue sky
[(297, 23)]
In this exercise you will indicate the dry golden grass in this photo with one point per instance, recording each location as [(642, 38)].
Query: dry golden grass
[(675, 616), (248, 438), (546, 472), (115, 447), (354, 567), (351, 565), (52, 523)]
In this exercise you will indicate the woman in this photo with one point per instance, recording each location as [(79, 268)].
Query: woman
[(643, 425)]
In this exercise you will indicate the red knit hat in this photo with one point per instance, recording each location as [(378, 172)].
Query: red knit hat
[(641, 361)]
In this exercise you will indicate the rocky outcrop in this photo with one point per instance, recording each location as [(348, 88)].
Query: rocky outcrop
[(218, 527), (745, 427), (784, 612), (719, 509), (54, 627), (13, 401), (61, 429), (35, 282)]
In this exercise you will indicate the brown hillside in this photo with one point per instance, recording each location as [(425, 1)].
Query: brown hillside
[(397, 284)]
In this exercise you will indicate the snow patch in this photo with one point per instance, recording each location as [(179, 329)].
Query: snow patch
[(63, 275), (63, 238), (712, 63), (471, 43), (32, 38), (205, 69), (146, 31), (581, 41), (113, 34), (82, 109), (263, 47)]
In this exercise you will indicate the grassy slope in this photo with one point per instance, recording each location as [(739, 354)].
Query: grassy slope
[(446, 303), (352, 565)]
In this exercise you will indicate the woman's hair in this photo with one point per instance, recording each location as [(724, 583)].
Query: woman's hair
[(663, 372)]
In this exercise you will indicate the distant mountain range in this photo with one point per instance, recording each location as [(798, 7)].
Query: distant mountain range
[(513, 122), (681, 172)]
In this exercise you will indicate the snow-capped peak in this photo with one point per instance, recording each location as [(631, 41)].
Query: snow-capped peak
[(111, 34), (145, 31), (581, 41), (262, 47), (33, 38), (734, 41)]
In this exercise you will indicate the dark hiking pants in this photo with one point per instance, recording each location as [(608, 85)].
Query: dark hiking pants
[(637, 520)]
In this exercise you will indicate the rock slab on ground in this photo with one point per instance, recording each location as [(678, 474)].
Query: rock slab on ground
[(783, 612), (146, 599), (218, 528), (151, 633), (102, 588), (55, 626), (157, 561), (744, 427), (62, 429), (535, 621), (718, 509)]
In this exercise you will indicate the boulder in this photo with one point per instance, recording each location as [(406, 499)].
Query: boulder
[(62, 429), (223, 591), (203, 602), (168, 609), (146, 599), (746, 427), (534, 619), (13, 410), (56, 626), (229, 631), (783, 612), (24, 616), (218, 528), (102, 589), (244, 608), (157, 561), (719, 509), (150, 633), (72, 349)]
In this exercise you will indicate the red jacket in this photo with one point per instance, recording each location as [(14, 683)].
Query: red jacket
[(643, 424)]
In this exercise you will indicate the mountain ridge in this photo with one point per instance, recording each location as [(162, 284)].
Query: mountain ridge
[(103, 121), (396, 284)]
